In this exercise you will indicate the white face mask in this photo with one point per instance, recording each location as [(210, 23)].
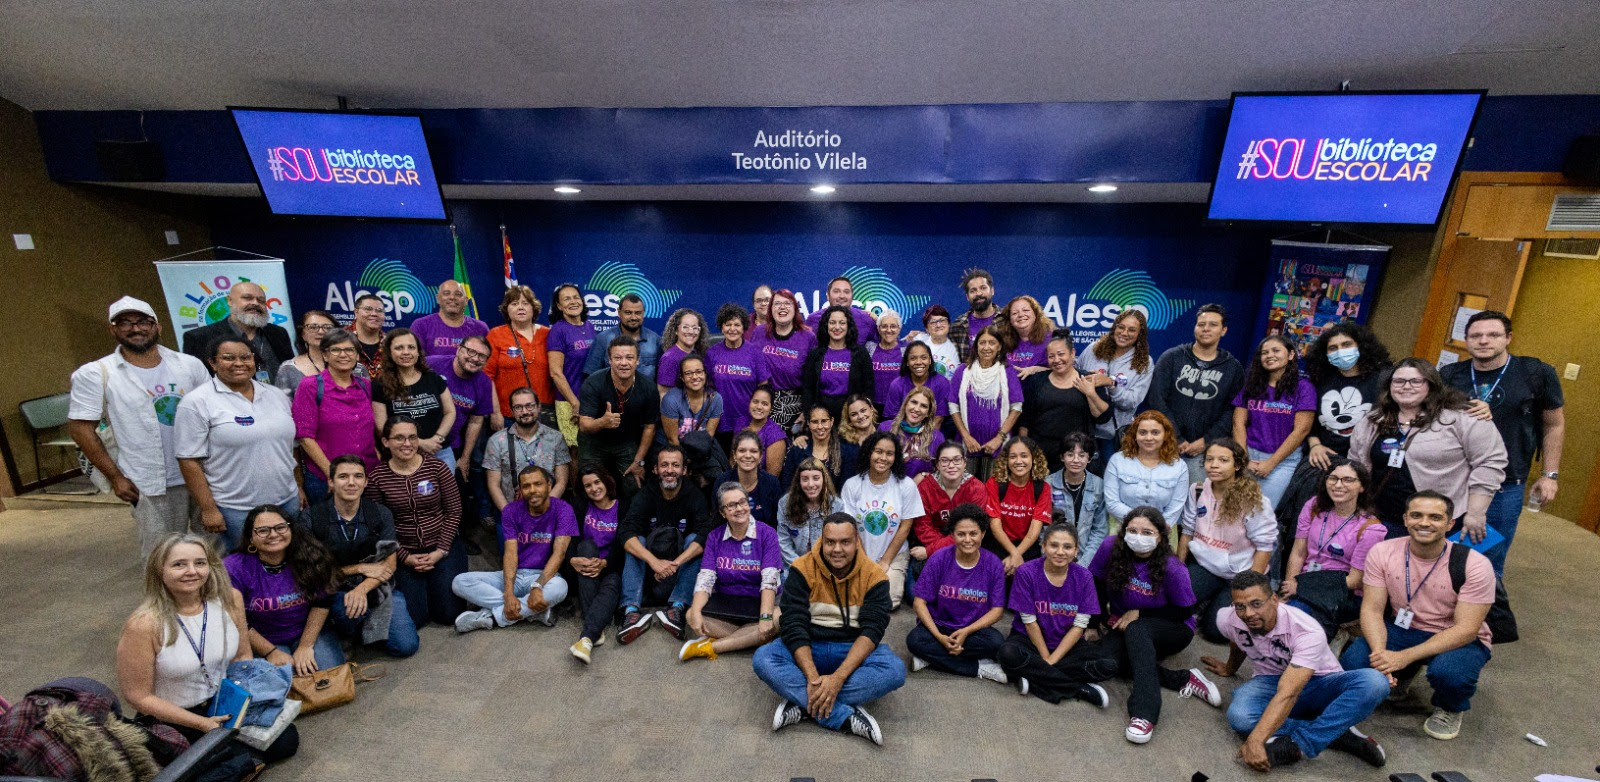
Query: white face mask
[(1141, 544)]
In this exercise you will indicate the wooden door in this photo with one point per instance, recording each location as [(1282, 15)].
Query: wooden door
[(1483, 275)]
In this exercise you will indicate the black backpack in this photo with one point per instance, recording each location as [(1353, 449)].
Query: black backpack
[(1502, 623)]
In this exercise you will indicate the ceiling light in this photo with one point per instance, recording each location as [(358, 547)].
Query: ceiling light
[(823, 189), (1102, 188), (567, 190)]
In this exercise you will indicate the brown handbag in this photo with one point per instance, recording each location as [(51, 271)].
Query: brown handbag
[(332, 687)]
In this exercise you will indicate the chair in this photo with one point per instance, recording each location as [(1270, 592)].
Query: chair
[(44, 415)]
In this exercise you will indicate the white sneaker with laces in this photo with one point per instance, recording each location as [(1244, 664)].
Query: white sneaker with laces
[(1139, 731), (991, 670), (1201, 687)]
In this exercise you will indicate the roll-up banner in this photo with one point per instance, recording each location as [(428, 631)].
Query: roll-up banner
[(197, 290)]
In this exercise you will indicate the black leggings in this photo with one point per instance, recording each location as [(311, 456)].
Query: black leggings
[(1139, 650), (1212, 593), (1084, 663), (597, 597)]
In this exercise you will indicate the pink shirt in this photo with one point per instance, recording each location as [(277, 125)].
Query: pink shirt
[(1432, 600), (1335, 542), (1295, 640)]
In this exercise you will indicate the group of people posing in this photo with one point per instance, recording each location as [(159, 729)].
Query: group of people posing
[(789, 485)]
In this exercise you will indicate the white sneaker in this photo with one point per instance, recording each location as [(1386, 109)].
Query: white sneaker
[(474, 620), (917, 663), (1022, 686), (1443, 725), (991, 670), (1201, 687)]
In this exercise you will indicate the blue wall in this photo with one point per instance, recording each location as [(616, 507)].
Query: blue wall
[(1075, 258)]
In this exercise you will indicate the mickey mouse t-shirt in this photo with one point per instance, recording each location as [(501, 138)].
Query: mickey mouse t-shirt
[(1341, 402)]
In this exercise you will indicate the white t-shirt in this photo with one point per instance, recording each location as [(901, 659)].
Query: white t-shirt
[(165, 391), (881, 509), (945, 357), (248, 447)]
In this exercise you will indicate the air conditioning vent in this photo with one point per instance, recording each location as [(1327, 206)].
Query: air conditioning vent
[(1587, 249), (1575, 212)]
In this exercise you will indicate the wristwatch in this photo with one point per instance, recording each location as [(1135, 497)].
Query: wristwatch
[(1553, 475)]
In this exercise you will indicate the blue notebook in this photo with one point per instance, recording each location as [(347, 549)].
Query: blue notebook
[(232, 700), (1491, 538)]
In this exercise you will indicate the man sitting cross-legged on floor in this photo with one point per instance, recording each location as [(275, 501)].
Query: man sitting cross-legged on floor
[(1300, 700), (536, 529), (829, 657)]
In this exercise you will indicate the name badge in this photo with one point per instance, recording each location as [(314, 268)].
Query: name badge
[(262, 376), (1403, 617), (1312, 567), (1397, 458)]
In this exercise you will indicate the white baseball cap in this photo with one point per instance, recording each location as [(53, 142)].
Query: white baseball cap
[(130, 304)]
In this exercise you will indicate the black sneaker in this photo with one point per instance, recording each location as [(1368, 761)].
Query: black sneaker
[(672, 620), (862, 724), (1282, 752), (1354, 742), (1094, 695), (633, 625), (788, 713)]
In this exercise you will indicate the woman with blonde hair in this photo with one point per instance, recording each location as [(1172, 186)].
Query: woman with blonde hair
[(1229, 526), (913, 427), (175, 648), (1027, 332), (1120, 362)]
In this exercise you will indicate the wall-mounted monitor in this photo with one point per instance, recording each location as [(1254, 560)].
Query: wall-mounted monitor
[(1342, 157), (341, 164)]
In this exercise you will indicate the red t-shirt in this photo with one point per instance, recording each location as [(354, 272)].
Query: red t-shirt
[(1021, 507), (933, 527)]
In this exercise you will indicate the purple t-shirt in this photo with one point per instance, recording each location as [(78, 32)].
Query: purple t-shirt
[(667, 369), (784, 358), (866, 327), (1027, 354), (472, 395), (958, 596), (920, 462), (342, 424), (600, 527), (574, 343), (834, 377), (1272, 418), (938, 384), (739, 562), (885, 370), (735, 373), (984, 415), (536, 535), (770, 433), (1139, 595), (273, 605), (976, 325), (440, 339), (1056, 608)]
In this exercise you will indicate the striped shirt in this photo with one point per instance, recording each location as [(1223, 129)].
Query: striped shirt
[(426, 504)]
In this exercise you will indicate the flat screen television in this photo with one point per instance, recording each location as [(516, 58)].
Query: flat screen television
[(341, 164), (1342, 157)]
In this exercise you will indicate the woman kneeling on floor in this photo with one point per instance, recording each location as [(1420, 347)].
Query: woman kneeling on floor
[(736, 593), (958, 598), (1054, 598), (175, 649), (286, 582)]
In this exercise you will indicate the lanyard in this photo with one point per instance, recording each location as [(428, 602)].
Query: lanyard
[(347, 528), (199, 648), (1502, 376), (1326, 538), (1409, 591)]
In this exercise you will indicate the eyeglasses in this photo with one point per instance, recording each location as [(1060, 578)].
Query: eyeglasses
[(319, 328), (1253, 605), (937, 322), (340, 351), (527, 408), (405, 438), (1403, 382), (133, 323), (695, 373), (952, 460), (1348, 480), (472, 355), (276, 529), (370, 310), (731, 508), (229, 358)]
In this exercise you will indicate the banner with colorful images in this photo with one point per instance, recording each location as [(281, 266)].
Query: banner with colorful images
[(197, 291), (1313, 285)]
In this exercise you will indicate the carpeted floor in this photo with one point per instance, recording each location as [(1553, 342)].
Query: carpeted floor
[(510, 704)]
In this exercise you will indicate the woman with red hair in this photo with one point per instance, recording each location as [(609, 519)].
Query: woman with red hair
[(1147, 470)]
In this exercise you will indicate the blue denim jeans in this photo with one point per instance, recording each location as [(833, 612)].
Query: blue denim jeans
[(1453, 674), (327, 649), (880, 674), (1504, 510), (486, 589), (634, 572), (402, 640), (234, 519), (1277, 482), (1328, 706)]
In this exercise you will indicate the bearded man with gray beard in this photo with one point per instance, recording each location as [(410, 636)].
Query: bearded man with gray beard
[(249, 319)]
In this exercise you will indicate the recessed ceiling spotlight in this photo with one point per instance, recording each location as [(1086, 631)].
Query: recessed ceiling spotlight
[(567, 190), (1102, 188), (823, 189)]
